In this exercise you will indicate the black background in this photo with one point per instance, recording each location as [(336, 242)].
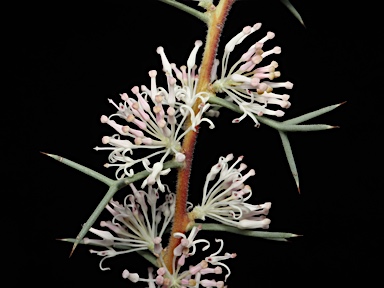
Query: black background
[(71, 58)]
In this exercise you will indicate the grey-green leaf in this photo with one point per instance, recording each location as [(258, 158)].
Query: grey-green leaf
[(293, 10), (291, 160)]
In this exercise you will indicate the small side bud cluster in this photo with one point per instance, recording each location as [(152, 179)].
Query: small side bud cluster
[(197, 275), (226, 199), (249, 85)]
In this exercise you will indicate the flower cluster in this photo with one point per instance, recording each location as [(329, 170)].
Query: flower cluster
[(245, 83), (192, 276), (156, 120), (139, 224), (225, 200)]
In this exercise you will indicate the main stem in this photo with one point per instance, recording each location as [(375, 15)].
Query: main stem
[(215, 24)]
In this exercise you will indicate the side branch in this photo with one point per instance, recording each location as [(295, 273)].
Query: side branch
[(199, 15)]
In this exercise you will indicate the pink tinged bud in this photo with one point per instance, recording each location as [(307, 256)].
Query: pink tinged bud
[(255, 82), (166, 65), (171, 99), (111, 210), (138, 141), (192, 57), (275, 50), (159, 280), (134, 277), (124, 96), (178, 250), (105, 139), (178, 73), (230, 157), (240, 78), (277, 113), (144, 104), (179, 157), (194, 269), (184, 73), (113, 124), (167, 132), (153, 93), (157, 167), (161, 271), (247, 55), (140, 124), (112, 227), (261, 88), (215, 65), (102, 234), (147, 141), (104, 119), (242, 167), (253, 224), (158, 247), (247, 66), (171, 111), (270, 35), (134, 132), (117, 142), (256, 27), (161, 123), (257, 59), (216, 270), (181, 260), (211, 283)]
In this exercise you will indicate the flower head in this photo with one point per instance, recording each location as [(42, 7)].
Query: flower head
[(226, 200), (139, 224), (246, 83), (155, 120)]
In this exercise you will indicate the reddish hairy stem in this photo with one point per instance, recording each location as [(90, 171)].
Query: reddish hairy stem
[(180, 224)]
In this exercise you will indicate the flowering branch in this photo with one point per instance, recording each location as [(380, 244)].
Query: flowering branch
[(216, 22)]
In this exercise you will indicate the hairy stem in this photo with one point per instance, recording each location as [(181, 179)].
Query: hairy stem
[(216, 20)]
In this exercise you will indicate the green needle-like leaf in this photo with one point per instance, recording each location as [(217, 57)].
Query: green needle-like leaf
[(291, 160), (311, 115), (116, 186), (293, 10), (82, 169), (95, 214), (276, 236), (144, 253)]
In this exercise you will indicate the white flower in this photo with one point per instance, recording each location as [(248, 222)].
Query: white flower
[(246, 85), (225, 200), (156, 119), (194, 275), (139, 224)]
